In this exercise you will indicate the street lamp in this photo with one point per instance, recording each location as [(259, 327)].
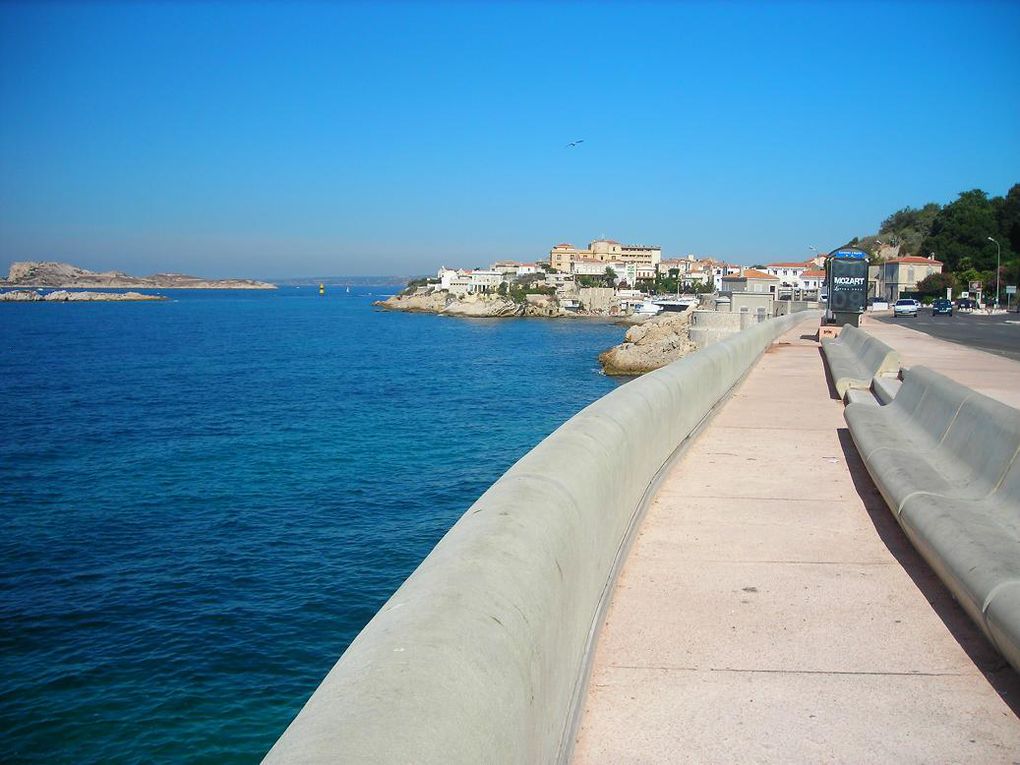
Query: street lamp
[(998, 252)]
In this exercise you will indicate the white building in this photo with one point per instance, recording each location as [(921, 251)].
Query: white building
[(721, 270), (486, 281), (457, 282), (811, 280), (788, 273)]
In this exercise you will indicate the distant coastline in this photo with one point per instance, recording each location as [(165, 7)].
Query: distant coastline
[(52, 275)]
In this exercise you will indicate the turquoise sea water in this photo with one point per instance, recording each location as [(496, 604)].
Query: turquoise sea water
[(204, 500)]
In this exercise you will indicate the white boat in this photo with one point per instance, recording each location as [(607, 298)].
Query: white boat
[(647, 308)]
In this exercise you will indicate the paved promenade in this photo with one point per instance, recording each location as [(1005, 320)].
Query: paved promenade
[(771, 610)]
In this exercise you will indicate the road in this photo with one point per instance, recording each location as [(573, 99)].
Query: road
[(998, 334)]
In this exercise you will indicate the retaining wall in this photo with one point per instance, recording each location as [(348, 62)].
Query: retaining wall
[(482, 654)]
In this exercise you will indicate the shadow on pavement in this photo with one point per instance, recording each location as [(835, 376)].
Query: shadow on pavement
[(997, 671), (833, 394)]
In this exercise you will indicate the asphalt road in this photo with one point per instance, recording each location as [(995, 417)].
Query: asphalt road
[(996, 334)]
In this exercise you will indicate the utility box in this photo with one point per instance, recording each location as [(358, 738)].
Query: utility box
[(847, 280)]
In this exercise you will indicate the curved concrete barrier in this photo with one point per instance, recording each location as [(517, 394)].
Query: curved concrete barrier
[(481, 654), (947, 461), (855, 357)]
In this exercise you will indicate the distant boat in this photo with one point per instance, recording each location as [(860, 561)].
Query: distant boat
[(647, 307), (322, 288), (348, 289)]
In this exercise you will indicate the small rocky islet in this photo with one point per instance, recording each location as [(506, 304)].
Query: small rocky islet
[(64, 296)]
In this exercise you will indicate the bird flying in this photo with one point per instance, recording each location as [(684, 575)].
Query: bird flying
[(574, 143)]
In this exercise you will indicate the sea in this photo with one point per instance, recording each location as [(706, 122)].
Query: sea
[(203, 500)]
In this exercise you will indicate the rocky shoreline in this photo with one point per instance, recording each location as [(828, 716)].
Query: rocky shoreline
[(63, 296), (652, 342), (474, 306)]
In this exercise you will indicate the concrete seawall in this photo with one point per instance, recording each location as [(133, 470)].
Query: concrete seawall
[(482, 653)]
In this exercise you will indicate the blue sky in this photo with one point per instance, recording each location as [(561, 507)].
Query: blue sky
[(276, 140)]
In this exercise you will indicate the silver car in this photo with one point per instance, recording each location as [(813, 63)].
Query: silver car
[(905, 307)]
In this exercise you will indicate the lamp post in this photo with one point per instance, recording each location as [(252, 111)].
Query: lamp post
[(998, 253)]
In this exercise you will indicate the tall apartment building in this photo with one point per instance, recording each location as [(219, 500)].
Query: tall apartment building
[(563, 256)]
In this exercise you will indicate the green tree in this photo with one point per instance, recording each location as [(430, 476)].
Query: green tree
[(909, 227), (935, 285), (1009, 218), (961, 230)]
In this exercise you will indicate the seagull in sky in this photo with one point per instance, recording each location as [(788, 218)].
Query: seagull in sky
[(572, 144)]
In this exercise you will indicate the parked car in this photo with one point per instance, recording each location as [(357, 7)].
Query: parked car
[(965, 304), (905, 307), (942, 305)]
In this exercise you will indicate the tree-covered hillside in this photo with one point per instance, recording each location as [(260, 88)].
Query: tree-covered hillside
[(958, 235)]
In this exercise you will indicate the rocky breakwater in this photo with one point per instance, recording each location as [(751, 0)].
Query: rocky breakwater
[(654, 343), (63, 296), (476, 306)]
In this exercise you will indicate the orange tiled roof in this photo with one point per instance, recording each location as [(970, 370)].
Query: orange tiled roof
[(750, 273)]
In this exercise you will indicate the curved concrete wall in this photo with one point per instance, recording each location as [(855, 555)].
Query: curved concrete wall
[(481, 654)]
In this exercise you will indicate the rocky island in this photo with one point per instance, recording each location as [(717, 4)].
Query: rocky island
[(63, 296), (66, 276)]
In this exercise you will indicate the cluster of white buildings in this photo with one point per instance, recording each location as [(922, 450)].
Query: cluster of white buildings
[(637, 265), (462, 281)]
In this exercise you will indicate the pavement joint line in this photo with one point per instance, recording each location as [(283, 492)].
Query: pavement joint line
[(827, 428), (779, 499), (792, 562), (752, 671)]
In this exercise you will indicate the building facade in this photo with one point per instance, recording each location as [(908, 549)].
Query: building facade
[(750, 281), (564, 255), (901, 275)]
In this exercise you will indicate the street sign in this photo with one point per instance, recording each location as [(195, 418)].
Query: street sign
[(855, 254), (975, 286), (1010, 289)]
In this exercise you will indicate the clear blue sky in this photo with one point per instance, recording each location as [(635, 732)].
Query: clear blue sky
[(280, 140)]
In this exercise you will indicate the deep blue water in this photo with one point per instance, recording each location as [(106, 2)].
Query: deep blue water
[(204, 500)]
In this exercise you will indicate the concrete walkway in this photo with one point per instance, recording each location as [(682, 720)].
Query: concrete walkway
[(771, 610)]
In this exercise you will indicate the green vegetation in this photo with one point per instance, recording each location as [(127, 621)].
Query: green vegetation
[(957, 234), (605, 279), (524, 286), (415, 284)]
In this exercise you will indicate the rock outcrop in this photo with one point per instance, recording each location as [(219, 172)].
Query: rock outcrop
[(476, 306), (63, 296), (654, 343), (64, 275)]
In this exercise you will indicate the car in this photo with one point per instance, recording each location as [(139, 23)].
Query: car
[(942, 305), (965, 304), (905, 307)]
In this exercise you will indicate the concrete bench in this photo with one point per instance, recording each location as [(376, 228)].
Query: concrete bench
[(947, 461), (855, 357)]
